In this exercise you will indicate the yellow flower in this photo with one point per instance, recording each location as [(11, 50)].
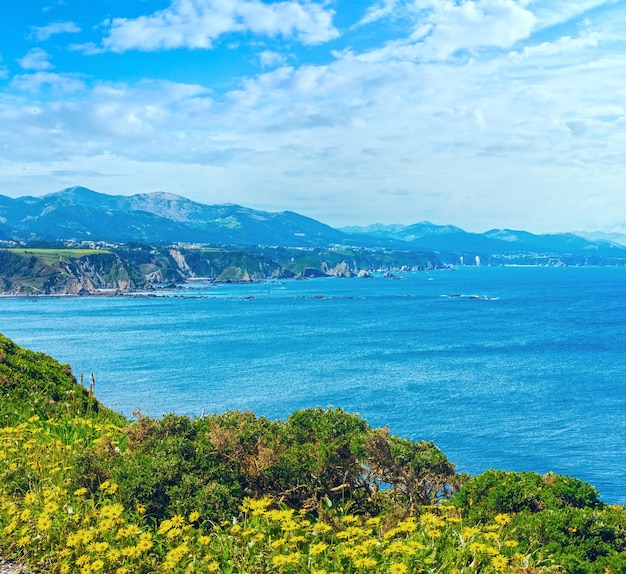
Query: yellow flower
[(365, 562), (469, 532), (204, 540), (408, 525), (322, 528), (289, 525), (398, 569), (430, 519), (492, 551), (165, 526), (112, 510), (113, 554), (131, 552), (130, 530), (29, 498), (491, 535), (318, 548), (50, 507), (213, 566), (73, 539), (349, 519), (177, 520), (144, 545), (193, 516), (398, 547), (502, 519), (44, 522), (391, 533), (99, 547), (279, 560), (293, 558), (106, 524), (499, 562), (80, 491), (256, 506)]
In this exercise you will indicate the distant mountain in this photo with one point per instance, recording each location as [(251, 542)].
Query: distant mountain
[(401, 232), (494, 243), (617, 238), (80, 214), (558, 243)]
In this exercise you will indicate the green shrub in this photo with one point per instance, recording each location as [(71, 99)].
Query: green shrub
[(496, 491)]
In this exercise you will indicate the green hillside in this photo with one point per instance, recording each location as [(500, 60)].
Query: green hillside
[(82, 489)]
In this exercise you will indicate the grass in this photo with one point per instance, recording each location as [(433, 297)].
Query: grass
[(55, 255)]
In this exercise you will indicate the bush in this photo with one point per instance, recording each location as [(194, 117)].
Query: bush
[(497, 491)]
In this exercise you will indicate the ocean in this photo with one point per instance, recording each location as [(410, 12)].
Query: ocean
[(516, 368)]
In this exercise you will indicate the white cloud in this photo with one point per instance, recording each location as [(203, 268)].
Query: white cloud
[(198, 23), (559, 11), (43, 33), (442, 28), (61, 83), (378, 12), (561, 46), (484, 23), (500, 138), (36, 59), (270, 59)]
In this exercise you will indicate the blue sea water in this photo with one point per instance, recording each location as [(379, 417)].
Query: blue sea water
[(518, 368)]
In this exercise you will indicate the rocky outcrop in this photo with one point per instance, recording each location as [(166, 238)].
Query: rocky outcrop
[(341, 270), (234, 275)]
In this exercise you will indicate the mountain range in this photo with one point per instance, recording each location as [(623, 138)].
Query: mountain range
[(79, 214)]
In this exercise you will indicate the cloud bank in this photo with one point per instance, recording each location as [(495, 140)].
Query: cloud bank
[(476, 113)]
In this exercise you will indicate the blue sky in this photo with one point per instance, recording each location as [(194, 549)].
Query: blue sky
[(482, 114)]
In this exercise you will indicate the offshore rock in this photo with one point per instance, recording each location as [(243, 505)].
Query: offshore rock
[(311, 272), (341, 270)]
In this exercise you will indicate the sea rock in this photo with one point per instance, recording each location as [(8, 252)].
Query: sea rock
[(341, 270), (311, 272)]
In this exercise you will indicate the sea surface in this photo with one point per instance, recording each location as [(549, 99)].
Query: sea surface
[(518, 368)]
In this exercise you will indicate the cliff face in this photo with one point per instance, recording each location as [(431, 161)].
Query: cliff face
[(60, 271), (36, 273)]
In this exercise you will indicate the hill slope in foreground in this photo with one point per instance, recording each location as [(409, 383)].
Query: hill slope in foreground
[(82, 489)]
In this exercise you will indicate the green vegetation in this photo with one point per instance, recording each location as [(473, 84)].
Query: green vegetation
[(46, 270), (41, 271), (54, 255), (82, 489)]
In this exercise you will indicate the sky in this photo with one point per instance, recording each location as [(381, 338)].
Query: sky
[(477, 113)]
